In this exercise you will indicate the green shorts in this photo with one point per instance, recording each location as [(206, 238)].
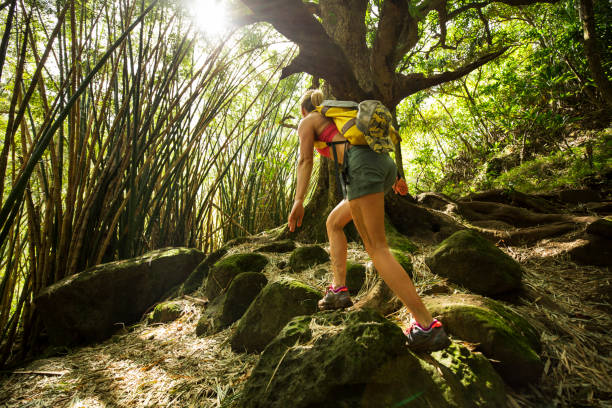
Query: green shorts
[(369, 172)]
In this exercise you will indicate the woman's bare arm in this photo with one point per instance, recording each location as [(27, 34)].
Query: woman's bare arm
[(306, 135)]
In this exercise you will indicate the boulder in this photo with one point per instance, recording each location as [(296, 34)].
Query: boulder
[(506, 338), (355, 276), (602, 227), (397, 240), (306, 257), (404, 261), (195, 280), (591, 250), (468, 259), (230, 306), (222, 273), (241, 240), (282, 246), (275, 305), (241, 292), (165, 312), (359, 359), (88, 306)]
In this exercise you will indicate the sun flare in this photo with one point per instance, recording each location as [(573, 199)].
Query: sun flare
[(210, 16)]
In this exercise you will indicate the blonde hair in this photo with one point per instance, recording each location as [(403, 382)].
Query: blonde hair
[(311, 99)]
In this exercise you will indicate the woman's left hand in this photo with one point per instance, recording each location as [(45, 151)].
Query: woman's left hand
[(400, 187), (296, 216)]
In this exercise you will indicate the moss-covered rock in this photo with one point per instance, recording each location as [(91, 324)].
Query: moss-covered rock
[(467, 379), (307, 256), (397, 240), (404, 261), (468, 259), (501, 334), (241, 292), (86, 307), (195, 280), (359, 359), (275, 305), (282, 246), (165, 312), (355, 276), (239, 241), (230, 306), (222, 273)]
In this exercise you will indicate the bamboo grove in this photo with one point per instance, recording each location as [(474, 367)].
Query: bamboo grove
[(125, 131)]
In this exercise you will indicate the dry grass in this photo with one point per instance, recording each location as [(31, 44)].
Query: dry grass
[(167, 365), (151, 366), (571, 310)]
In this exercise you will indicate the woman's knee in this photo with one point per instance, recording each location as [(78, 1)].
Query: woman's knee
[(333, 223), (338, 218), (378, 250)]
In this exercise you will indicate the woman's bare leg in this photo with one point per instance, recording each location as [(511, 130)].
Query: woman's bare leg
[(337, 219), (368, 213)]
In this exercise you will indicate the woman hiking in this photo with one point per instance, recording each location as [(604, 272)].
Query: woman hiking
[(370, 176)]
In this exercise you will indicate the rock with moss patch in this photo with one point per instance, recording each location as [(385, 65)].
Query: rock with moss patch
[(355, 276), (241, 292), (282, 246), (306, 257), (86, 307), (501, 334), (275, 305), (359, 359), (467, 379), (404, 261), (165, 312), (468, 259), (239, 241), (195, 280), (222, 273), (396, 240), (230, 306)]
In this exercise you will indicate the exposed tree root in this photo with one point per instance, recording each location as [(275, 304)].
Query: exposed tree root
[(514, 198), (529, 235), (380, 298), (417, 222)]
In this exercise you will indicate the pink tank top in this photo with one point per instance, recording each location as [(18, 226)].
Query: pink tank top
[(327, 135)]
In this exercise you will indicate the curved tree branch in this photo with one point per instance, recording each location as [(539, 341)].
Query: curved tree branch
[(319, 55), (482, 4), (412, 83)]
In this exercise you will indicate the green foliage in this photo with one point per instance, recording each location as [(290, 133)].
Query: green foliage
[(523, 104), (560, 169)]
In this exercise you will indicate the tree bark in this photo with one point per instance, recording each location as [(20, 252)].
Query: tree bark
[(593, 51)]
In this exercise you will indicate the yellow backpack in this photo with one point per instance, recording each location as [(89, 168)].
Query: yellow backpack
[(365, 123)]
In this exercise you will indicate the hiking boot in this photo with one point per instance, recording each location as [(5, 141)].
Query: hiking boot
[(335, 298), (423, 340)]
